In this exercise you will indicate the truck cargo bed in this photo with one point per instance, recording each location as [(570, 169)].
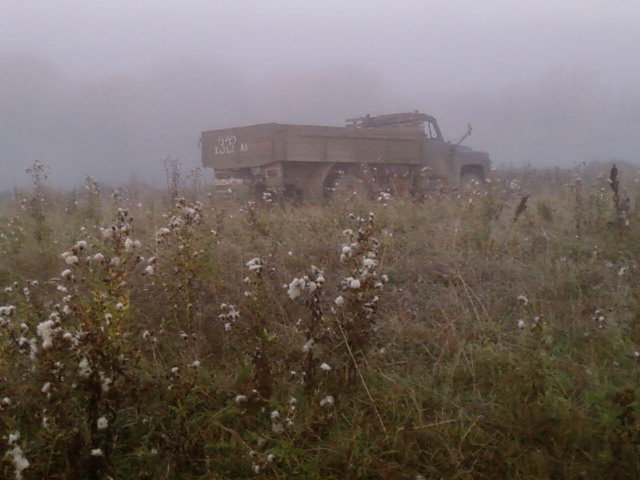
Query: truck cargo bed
[(259, 145)]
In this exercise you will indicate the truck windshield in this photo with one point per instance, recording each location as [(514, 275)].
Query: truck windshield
[(431, 130)]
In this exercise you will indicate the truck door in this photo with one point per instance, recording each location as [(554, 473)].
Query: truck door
[(436, 152)]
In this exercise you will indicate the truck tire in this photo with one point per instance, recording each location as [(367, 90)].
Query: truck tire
[(345, 187), (423, 185), (471, 182)]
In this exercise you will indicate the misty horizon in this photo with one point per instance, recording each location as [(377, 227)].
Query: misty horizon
[(110, 95)]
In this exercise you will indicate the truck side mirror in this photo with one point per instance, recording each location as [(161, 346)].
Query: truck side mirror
[(463, 137)]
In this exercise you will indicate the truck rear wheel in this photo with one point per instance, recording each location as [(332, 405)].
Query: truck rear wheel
[(345, 186), (424, 185)]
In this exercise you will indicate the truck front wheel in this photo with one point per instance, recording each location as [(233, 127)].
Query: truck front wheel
[(471, 182)]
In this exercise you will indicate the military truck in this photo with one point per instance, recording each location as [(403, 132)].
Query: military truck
[(401, 153)]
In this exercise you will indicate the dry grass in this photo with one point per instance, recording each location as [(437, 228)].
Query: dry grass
[(200, 337)]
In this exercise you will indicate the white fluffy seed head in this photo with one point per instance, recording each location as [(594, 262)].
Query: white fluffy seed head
[(327, 401), (308, 346), (102, 423), (71, 260), (129, 244)]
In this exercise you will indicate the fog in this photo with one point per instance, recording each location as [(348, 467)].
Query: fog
[(110, 88)]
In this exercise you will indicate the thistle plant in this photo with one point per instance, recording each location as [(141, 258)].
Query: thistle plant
[(93, 207), (620, 205), (172, 171), (315, 327), (34, 204), (179, 254), (357, 304), (83, 350)]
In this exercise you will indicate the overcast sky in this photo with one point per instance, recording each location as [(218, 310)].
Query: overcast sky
[(107, 88)]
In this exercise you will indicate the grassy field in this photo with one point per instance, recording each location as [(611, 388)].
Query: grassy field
[(180, 334)]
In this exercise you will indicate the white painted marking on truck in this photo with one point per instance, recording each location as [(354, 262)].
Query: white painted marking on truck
[(225, 145)]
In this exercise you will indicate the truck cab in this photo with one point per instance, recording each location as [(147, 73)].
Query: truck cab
[(444, 163), (451, 162)]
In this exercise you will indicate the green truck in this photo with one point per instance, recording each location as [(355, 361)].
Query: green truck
[(401, 153)]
